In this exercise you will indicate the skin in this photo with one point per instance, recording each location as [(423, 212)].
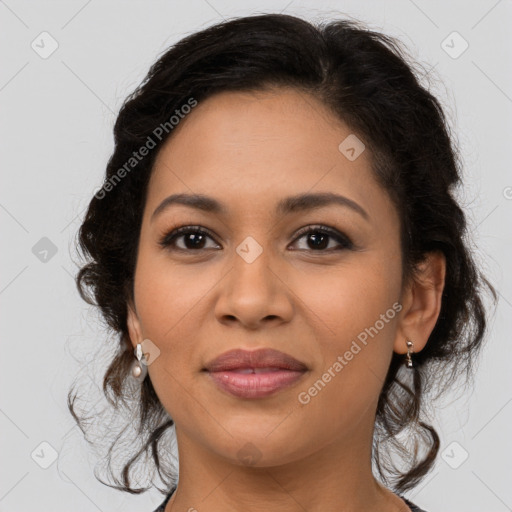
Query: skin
[(249, 150)]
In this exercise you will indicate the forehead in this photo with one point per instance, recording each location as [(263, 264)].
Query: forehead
[(244, 123), (258, 147)]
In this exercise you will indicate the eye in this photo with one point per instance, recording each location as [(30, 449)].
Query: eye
[(194, 238), (320, 236)]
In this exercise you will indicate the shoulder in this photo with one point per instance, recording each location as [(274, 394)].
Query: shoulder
[(412, 506), (161, 507)]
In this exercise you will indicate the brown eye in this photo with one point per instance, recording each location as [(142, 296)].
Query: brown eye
[(319, 238), (194, 238)]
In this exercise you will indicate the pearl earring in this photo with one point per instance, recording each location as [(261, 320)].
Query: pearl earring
[(139, 367)]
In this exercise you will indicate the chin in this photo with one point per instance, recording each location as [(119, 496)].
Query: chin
[(261, 450)]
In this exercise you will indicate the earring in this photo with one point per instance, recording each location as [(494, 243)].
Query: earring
[(139, 367), (409, 352)]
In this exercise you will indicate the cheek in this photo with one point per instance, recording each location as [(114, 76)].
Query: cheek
[(168, 300), (166, 294), (352, 309), (167, 320), (345, 300)]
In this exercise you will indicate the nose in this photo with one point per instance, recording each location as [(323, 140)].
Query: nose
[(254, 293)]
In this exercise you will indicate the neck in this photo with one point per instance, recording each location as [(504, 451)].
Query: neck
[(338, 477)]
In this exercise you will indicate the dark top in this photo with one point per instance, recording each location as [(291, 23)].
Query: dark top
[(412, 506)]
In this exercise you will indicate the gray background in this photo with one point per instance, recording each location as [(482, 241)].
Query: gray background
[(56, 122)]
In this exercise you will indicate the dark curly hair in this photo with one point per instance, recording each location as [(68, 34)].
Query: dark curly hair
[(367, 80)]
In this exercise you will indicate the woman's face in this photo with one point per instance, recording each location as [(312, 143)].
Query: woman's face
[(255, 282)]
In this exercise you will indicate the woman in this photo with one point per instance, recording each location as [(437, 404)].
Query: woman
[(277, 246)]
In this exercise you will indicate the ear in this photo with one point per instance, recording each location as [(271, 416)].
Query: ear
[(421, 301), (134, 327)]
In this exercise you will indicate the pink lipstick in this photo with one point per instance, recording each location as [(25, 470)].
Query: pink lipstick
[(255, 374)]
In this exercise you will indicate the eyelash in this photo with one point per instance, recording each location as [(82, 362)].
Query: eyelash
[(167, 239)]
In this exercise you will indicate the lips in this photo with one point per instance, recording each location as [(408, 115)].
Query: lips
[(254, 374), (265, 358)]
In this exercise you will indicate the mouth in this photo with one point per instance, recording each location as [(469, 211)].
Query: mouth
[(254, 374)]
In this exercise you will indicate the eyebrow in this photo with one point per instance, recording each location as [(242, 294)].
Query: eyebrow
[(293, 204)]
